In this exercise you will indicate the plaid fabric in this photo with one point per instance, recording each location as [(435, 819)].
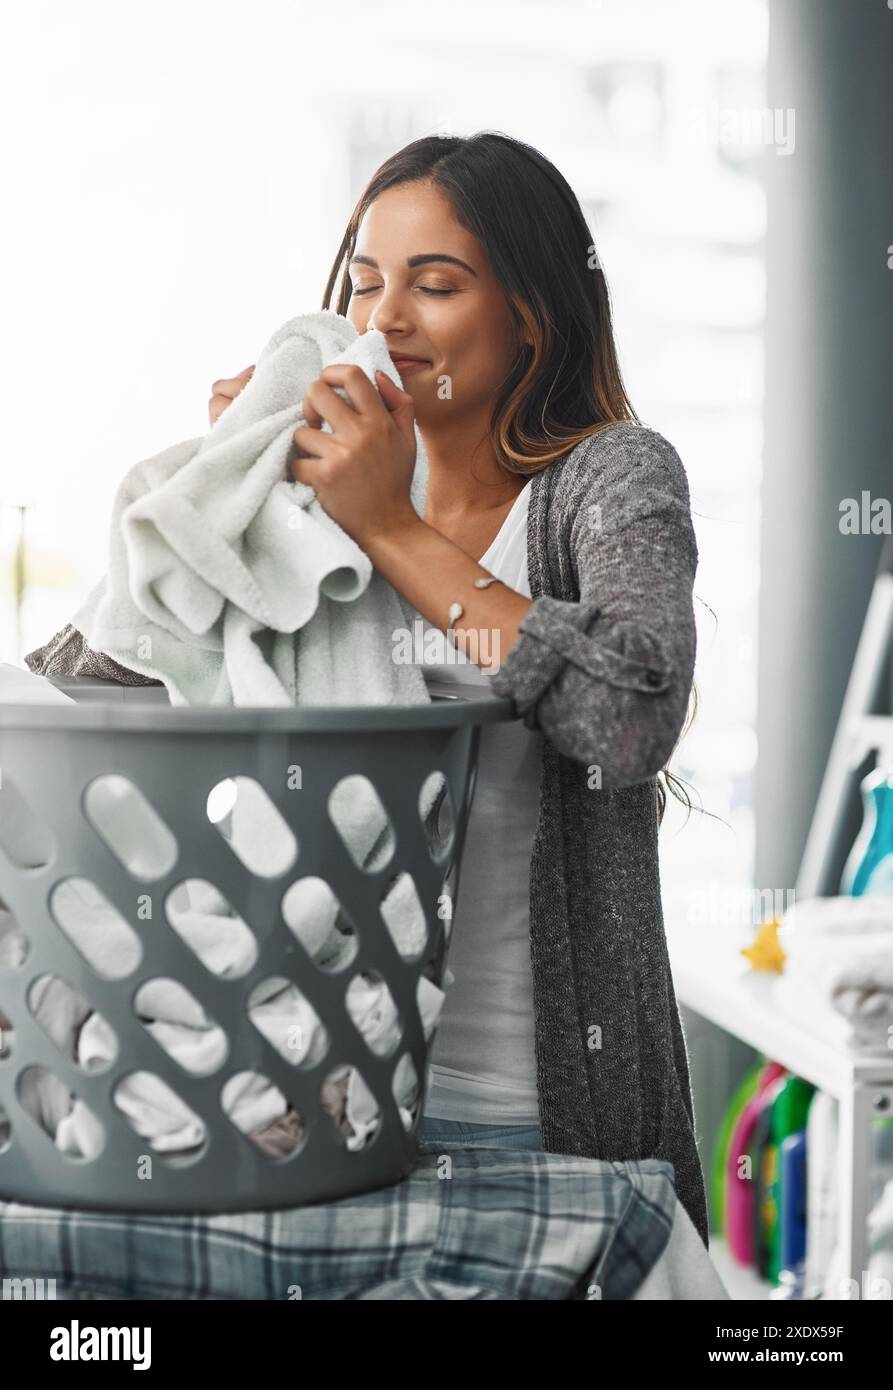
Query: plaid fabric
[(468, 1223), (67, 654)]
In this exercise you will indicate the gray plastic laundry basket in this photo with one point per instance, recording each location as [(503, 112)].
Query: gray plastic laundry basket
[(50, 755)]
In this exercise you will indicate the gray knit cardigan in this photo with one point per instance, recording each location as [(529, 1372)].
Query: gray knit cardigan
[(603, 667)]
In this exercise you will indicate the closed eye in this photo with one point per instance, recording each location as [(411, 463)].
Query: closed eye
[(426, 289)]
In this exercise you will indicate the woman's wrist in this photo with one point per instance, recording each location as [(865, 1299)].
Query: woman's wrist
[(435, 576), (388, 542)]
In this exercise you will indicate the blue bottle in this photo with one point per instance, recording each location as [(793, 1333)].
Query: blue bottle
[(792, 1244), (869, 866)]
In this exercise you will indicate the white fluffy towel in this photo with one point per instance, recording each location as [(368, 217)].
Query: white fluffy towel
[(228, 581), (838, 972)]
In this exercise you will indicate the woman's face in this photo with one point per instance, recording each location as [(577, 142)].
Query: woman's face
[(451, 313)]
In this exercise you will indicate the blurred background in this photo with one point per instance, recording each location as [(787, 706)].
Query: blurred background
[(178, 178), (178, 181)]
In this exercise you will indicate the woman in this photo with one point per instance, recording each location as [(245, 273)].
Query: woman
[(473, 258)]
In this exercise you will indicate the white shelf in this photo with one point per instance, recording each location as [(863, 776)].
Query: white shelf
[(717, 982), (714, 980)]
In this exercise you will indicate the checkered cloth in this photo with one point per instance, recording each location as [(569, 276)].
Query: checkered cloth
[(467, 1223)]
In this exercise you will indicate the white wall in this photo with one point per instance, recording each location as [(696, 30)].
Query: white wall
[(177, 179)]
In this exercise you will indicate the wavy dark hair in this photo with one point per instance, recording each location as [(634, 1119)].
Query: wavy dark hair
[(525, 214)]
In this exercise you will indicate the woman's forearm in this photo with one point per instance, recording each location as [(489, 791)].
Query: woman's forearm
[(431, 573)]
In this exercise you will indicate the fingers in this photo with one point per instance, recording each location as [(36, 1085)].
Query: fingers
[(399, 405), (217, 405), (224, 391), (321, 402), (360, 392), (311, 448), (230, 386), (391, 394)]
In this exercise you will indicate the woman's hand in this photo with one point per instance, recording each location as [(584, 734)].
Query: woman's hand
[(362, 471), (224, 392)]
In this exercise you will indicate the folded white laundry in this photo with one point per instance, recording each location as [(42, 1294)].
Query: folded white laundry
[(800, 998), (812, 920), (856, 977), (227, 580), (841, 949)]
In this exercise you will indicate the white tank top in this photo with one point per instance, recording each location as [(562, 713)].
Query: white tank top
[(483, 1066)]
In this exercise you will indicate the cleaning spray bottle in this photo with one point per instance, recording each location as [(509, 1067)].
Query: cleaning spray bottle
[(787, 1187), (869, 865)]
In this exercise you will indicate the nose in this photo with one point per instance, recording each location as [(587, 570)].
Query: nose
[(389, 313)]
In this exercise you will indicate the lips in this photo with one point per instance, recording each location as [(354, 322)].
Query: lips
[(406, 360)]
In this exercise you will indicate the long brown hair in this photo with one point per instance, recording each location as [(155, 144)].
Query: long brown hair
[(567, 384)]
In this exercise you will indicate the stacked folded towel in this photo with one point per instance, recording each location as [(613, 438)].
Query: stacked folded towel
[(838, 975)]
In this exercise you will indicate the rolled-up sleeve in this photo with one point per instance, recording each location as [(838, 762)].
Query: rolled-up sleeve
[(607, 678)]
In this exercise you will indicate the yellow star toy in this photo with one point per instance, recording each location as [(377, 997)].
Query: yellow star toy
[(765, 951)]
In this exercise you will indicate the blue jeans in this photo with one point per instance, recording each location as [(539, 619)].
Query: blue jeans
[(505, 1136)]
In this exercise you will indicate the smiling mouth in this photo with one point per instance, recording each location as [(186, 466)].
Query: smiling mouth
[(408, 366)]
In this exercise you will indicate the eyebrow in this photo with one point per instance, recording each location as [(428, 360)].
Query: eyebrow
[(425, 259)]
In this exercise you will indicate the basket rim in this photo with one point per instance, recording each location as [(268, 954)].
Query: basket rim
[(444, 712)]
